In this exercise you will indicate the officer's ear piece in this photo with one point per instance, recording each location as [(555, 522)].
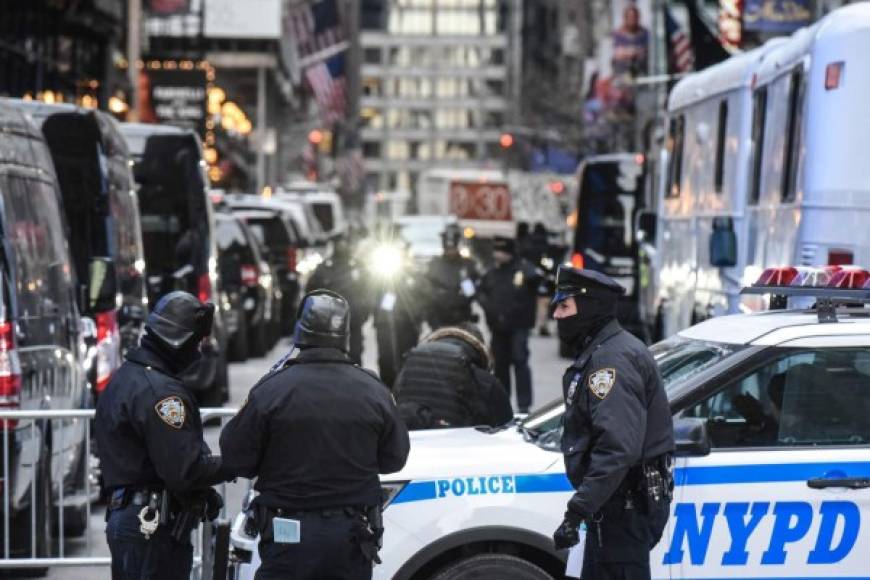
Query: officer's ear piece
[(204, 320)]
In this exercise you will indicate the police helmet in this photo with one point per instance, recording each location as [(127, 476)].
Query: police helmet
[(451, 236), (179, 318), (586, 283), (323, 320)]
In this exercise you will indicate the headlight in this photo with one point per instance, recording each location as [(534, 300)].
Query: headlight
[(390, 491), (386, 261)]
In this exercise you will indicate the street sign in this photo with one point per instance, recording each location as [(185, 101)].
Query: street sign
[(474, 200)]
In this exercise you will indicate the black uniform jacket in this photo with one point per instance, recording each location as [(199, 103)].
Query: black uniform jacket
[(616, 415), (317, 433), (508, 295), (149, 432), (446, 303)]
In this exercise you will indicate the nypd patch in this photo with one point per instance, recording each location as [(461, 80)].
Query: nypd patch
[(171, 411), (601, 382)]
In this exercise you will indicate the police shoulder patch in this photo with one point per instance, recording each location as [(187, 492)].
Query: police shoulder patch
[(171, 411), (602, 381)]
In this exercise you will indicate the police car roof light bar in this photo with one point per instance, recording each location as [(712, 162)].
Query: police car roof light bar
[(827, 299)]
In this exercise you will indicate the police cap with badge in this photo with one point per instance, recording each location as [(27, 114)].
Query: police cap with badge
[(585, 284)]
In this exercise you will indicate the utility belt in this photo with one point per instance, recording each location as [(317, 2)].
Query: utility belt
[(648, 485), (368, 533), (160, 508)]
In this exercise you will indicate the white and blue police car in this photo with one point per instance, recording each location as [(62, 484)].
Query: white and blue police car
[(772, 418)]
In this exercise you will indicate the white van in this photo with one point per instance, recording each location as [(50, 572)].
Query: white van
[(765, 168), (326, 205)]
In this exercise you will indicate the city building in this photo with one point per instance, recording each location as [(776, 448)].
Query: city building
[(439, 84)]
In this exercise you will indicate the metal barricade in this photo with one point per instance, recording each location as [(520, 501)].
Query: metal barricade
[(30, 428)]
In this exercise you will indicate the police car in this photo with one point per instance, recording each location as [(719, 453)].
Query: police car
[(772, 420)]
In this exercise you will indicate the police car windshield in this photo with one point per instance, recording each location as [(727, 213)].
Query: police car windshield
[(680, 359)]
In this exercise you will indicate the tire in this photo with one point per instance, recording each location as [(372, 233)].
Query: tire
[(258, 339), (492, 567), (218, 392), (239, 349)]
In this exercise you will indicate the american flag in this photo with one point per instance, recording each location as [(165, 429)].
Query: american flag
[(315, 27), (327, 82), (681, 56)]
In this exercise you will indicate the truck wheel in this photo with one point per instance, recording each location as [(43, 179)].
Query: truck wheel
[(239, 347), (492, 567)]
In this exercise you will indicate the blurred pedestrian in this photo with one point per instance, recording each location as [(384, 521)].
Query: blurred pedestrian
[(618, 436), (316, 432), (507, 293), (155, 463), (342, 274), (447, 381), (452, 283)]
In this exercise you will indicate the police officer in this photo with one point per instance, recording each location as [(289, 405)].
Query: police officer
[(343, 275), (452, 281), (316, 433), (507, 294), (155, 463), (618, 438)]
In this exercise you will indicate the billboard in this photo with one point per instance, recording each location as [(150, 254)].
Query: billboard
[(776, 16), (176, 97), (242, 19), (475, 200)]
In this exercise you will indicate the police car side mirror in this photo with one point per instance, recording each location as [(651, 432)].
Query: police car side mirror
[(691, 436)]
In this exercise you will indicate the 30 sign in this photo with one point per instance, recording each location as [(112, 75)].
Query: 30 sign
[(473, 200)]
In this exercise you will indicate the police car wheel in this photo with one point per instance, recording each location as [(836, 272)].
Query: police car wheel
[(492, 567)]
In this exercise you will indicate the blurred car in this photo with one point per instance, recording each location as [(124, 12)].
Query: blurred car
[(42, 351), (246, 280), (178, 235), (102, 213), (325, 204)]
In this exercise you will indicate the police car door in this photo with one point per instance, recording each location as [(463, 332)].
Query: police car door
[(785, 492)]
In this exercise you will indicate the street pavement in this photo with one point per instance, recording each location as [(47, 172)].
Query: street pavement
[(547, 369)]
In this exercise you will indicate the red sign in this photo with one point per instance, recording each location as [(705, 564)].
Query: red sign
[(474, 200)]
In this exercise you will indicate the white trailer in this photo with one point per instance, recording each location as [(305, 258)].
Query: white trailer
[(766, 153)]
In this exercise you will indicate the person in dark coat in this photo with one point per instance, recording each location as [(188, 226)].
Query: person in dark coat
[(507, 294), (618, 436), (150, 443), (447, 381), (452, 281), (316, 432), (343, 275)]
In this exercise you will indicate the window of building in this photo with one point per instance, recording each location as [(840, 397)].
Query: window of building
[(371, 149), (372, 56)]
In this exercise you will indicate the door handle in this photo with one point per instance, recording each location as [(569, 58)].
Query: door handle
[(847, 482)]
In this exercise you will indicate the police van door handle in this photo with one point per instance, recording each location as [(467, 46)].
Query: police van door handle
[(846, 482)]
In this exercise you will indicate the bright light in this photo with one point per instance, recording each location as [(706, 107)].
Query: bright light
[(315, 137), (386, 261), (465, 252), (506, 140), (267, 192), (468, 233), (117, 105)]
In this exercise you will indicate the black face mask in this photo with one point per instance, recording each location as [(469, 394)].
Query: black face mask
[(177, 360), (592, 315)]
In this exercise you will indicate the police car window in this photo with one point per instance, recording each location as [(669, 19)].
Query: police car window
[(681, 358), (806, 398)]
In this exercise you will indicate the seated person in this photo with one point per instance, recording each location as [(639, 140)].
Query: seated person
[(447, 381)]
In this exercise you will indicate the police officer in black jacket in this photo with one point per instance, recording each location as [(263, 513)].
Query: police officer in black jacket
[(508, 294), (155, 463), (452, 281), (618, 436), (316, 433), (343, 275)]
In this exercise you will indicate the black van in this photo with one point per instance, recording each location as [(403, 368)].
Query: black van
[(93, 169), (178, 234), (41, 348)]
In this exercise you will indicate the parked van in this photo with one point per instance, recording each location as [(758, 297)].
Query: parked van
[(611, 199), (99, 199), (41, 342), (705, 190), (325, 204), (178, 235)]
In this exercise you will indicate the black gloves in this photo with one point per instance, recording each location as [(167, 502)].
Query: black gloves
[(213, 504), (567, 534)]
